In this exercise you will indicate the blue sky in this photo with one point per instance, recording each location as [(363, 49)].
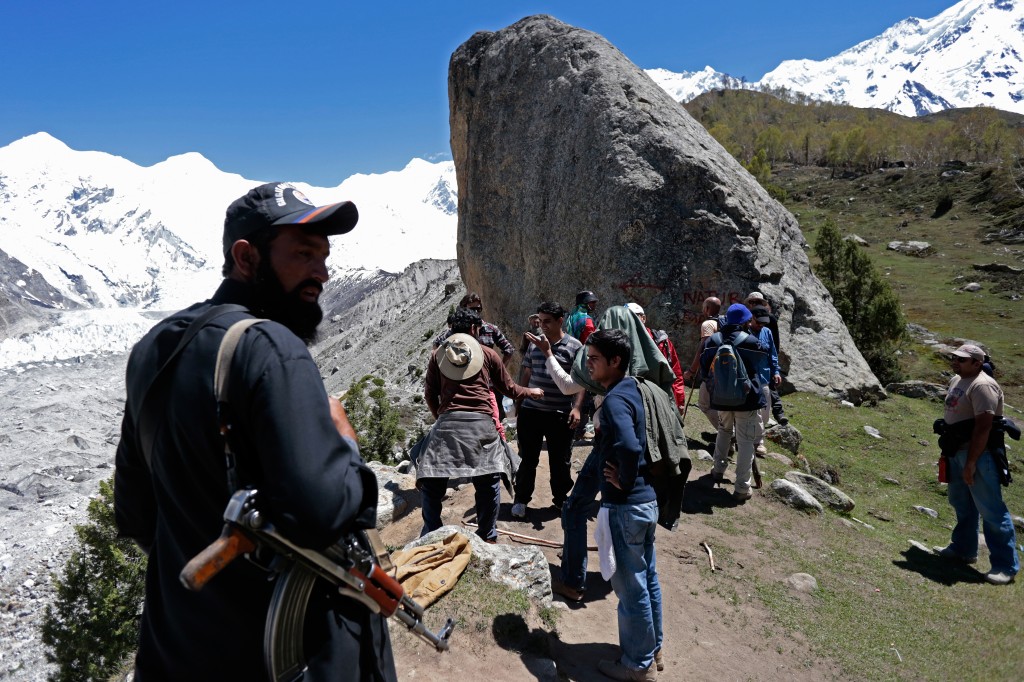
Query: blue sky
[(319, 90)]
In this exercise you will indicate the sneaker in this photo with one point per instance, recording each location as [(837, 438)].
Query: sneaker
[(761, 451), (519, 510), (659, 661), (617, 671), (999, 578), (569, 593), (740, 496), (948, 552)]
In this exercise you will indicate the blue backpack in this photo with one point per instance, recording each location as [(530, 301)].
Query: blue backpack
[(727, 377)]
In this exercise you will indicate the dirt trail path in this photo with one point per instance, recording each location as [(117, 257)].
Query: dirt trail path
[(715, 626)]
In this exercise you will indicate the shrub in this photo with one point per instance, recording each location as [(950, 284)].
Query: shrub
[(93, 625), (867, 303), (374, 418)]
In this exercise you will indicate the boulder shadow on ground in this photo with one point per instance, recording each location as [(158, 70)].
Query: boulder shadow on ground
[(937, 569)]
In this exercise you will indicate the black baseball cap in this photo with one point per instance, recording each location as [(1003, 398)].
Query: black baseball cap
[(279, 203), (761, 314), (585, 297)]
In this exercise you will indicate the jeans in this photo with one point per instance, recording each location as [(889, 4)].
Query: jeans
[(748, 434), (636, 581), (984, 497), (488, 498), (533, 427), (575, 514)]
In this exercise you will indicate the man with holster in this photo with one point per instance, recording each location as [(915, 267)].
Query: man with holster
[(973, 414), (174, 474)]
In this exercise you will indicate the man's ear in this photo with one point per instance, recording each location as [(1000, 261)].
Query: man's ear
[(247, 260)]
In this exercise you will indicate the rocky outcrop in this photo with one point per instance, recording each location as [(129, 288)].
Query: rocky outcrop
[(575, 170), (387, 330)]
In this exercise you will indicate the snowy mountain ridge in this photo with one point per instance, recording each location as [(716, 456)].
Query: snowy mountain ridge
[(970, 55), (92, 230)]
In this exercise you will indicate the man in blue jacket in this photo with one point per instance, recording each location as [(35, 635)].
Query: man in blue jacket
[(768, 370), (631, 507), (744, 417)]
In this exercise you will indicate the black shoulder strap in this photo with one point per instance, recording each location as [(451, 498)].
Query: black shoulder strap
[(156, 393)]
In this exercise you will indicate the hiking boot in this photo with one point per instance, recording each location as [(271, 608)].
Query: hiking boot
[(999, 578), (569, 593), (717, 477), (783, 421), (761, 451), (948, 552), (742, 496), (659, 661), (617, 671), (519, 510)]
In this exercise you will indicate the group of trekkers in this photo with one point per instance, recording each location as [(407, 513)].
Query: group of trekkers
[(629, 378), (228, 438)]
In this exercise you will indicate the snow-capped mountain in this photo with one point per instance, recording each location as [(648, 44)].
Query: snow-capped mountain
[(969, 55), (92, 230), (686, 85)]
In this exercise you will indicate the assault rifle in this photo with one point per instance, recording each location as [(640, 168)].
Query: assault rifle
[(349, 565)]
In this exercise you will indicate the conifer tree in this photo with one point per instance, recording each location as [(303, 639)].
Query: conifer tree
[(93, 624), (863, 298)]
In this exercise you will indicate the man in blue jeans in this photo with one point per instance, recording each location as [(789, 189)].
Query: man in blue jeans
[(630, 508), (972, 473)]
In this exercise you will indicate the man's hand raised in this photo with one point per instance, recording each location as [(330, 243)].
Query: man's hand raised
[(340, 418)]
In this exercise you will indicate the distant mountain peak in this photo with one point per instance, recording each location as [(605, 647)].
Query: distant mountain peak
[(968, 55)]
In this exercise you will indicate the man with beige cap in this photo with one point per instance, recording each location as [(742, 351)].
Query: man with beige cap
[(971, 467)]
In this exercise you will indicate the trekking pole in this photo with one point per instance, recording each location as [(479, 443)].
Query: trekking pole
[(686, 406)]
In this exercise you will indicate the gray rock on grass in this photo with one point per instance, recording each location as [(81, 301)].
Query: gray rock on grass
[(518, 566), (795, 496), (927, 511), (788, 437), (911, 248), (802, 582), (922, 390), (822, 491)]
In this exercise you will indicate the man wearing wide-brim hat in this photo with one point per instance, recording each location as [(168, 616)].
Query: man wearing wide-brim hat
[(464, 441)]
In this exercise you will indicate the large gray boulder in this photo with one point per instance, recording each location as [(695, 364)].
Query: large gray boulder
[(575, 170)]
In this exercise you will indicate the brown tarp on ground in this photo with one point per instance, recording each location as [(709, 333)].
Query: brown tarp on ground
[(429, 571)]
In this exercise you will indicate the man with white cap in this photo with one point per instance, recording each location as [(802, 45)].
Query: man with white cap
[(972, 471), (464, 441)]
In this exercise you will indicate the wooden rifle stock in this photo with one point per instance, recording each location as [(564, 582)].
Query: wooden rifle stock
[(231, 544)]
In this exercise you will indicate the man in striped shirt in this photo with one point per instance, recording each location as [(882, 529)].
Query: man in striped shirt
[(551, 418)]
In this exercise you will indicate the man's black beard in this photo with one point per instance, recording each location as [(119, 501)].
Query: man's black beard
[(287, 307)]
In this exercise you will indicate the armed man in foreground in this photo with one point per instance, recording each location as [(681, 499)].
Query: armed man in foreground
[(174, 474), (973, 415)]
